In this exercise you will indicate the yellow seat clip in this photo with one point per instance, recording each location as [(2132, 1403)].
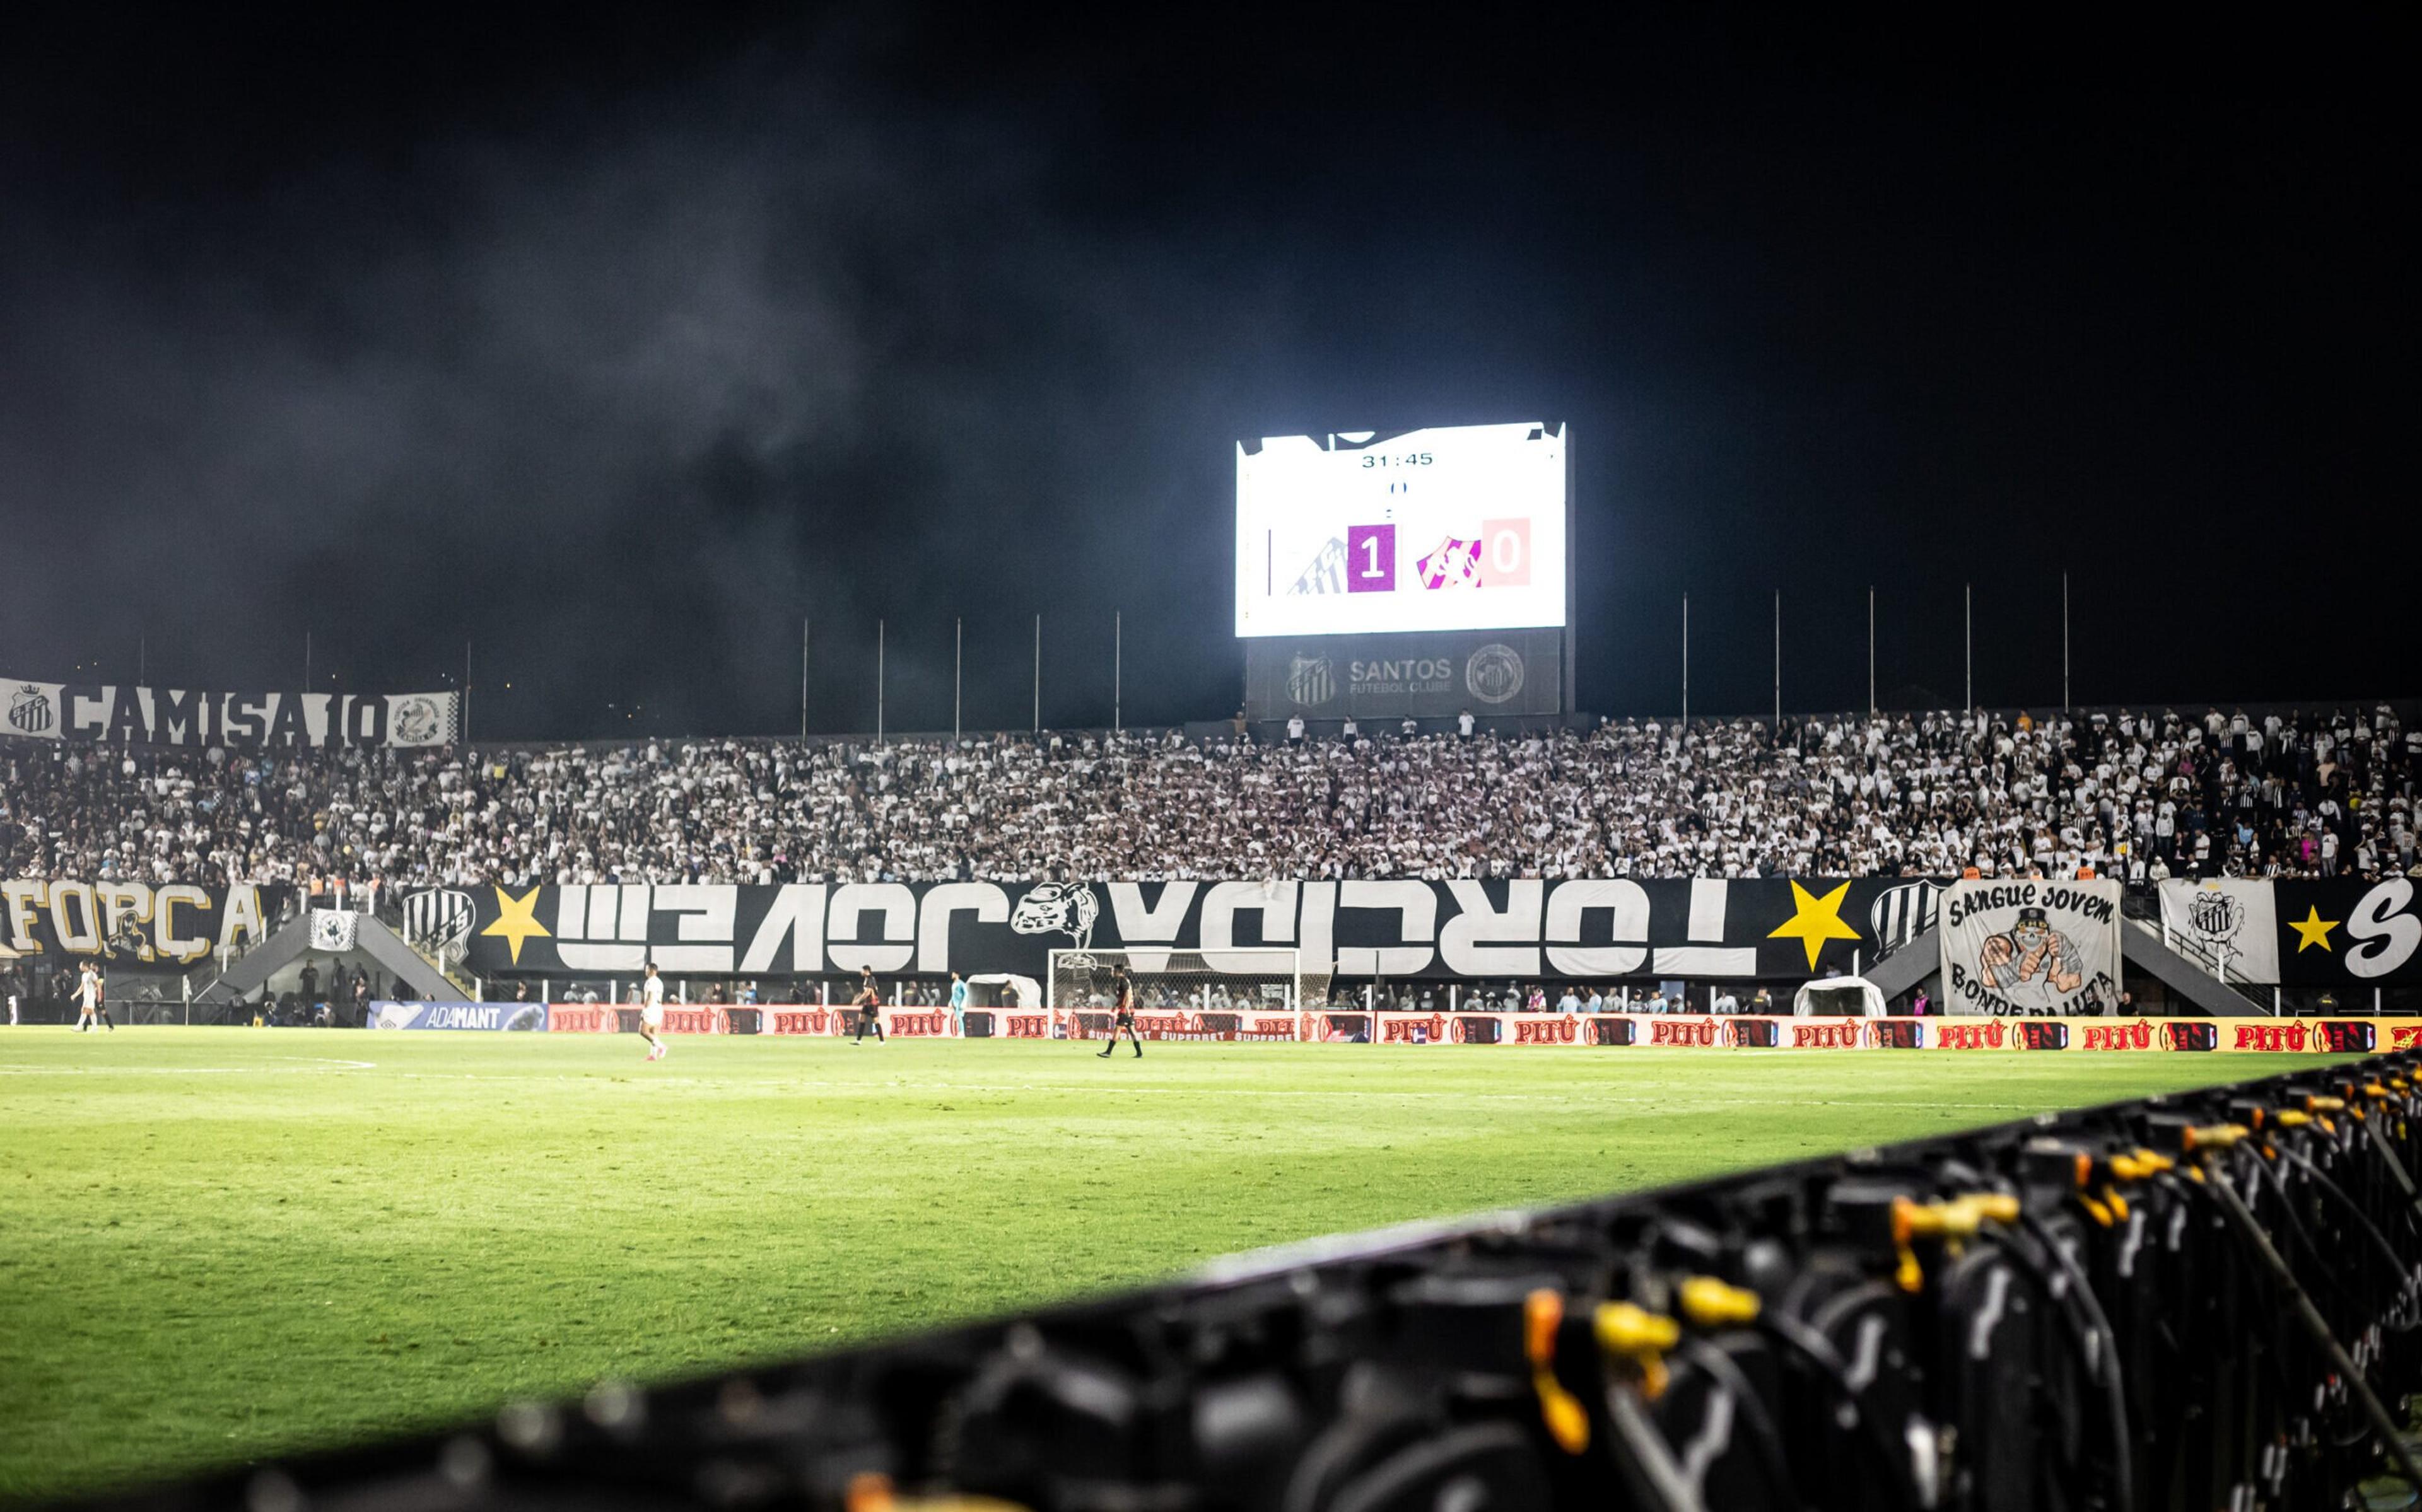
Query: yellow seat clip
[(1707, 1302), (2212, 1137), (1629, 1332), (1954, 1223), (1567, 1421)]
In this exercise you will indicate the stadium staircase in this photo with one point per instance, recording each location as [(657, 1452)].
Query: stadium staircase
[(1907, 965), (385, 948), (2190, 974)]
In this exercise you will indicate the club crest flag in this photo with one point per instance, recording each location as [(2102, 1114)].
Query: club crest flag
[(2012, 948), (2228, 925), (335, 930)]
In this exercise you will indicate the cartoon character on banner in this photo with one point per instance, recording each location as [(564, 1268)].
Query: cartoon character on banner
[(1066, 908), (2031, 954)]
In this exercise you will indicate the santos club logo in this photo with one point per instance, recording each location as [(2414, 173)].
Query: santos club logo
[(30, 711), (1494, 674), (1312, 680), (2215, 917)]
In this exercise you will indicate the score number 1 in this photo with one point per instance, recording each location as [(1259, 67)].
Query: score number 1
[(1371, 558)]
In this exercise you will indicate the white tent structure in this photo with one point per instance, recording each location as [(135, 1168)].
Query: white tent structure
[(1025, 990), (1846, 996)]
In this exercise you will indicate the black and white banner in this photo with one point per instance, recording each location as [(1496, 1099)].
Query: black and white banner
[(2344, 934), (2030, 947), (1529, 929), (91, 712), (2230, 921), (175, 924)]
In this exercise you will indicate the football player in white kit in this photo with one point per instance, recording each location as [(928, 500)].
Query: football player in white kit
[(88, 1001), (652, 1013)]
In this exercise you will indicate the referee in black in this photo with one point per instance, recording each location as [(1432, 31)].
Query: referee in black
[(1123, 1016), (869, 1006)]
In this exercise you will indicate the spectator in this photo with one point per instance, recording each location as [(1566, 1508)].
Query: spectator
[(2147, 796)]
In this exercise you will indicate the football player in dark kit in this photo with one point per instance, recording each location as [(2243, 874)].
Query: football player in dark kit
[(870, 1007), (1123, 1016)]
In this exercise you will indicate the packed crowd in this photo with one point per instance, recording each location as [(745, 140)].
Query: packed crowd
[(2140, 796)]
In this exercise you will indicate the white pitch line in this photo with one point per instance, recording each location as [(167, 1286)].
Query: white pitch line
[(323, 1063)]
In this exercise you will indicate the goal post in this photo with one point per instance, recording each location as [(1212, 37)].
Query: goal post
[(1249, 978)]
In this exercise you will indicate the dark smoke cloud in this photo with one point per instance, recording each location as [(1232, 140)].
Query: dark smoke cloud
[(617, 349), (621, 399)]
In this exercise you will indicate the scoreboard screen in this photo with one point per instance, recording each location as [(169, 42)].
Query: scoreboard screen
[(1460, 527)]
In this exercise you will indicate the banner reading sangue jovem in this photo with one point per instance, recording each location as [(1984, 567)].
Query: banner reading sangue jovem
[(2028, 947)]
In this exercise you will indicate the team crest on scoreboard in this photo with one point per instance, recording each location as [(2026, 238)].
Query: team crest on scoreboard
[(1456, 563)]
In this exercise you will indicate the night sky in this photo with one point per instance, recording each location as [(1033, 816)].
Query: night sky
[(615, 341)]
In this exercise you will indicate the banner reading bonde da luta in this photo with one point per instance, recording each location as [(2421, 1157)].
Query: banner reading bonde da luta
[(2027, 948)]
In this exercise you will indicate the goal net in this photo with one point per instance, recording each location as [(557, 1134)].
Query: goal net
[(1256, 978)]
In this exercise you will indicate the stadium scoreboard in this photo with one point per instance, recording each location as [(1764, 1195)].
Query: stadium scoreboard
[(1460, 527), (1392, 572)]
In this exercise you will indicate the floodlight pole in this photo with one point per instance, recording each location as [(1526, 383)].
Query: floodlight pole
[(2064, 643), (1871, 653), (1968, 598), (958, 662), (1778, 663), (1038, 674), (1118, 668), (878, 682), (464, 712), (307, 661), (1685, 661), (803, 680)]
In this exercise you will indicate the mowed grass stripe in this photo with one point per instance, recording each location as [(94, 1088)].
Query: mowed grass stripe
[(216, 1244)]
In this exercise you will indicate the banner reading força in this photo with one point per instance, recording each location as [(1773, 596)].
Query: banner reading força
[(175, 923), (2030, 947), (1520, 931), (90, 712)]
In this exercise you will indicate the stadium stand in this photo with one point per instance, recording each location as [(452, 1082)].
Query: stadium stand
[(2137, 795)]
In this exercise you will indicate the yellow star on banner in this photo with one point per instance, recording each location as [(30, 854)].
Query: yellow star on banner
[(517, 919), (1815, 920), (2312, 929)]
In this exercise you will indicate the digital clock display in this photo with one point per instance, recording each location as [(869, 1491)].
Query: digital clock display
[(1452, 528)]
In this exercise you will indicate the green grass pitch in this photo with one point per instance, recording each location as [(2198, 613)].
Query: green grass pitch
[(219, 1243)]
